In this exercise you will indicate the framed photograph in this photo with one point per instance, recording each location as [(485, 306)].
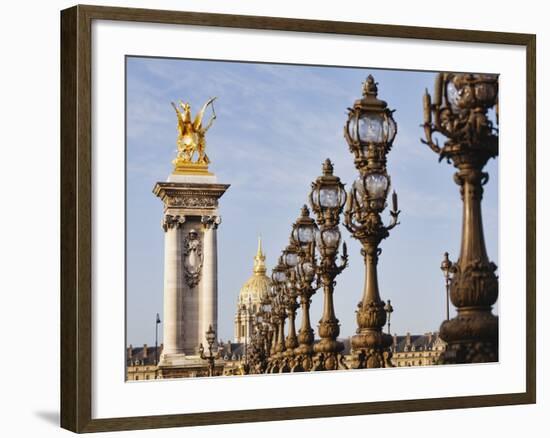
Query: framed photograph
[(268, 219)]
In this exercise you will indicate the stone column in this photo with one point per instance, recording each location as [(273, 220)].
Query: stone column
[(173, 321), (190, 267), (208, 294)]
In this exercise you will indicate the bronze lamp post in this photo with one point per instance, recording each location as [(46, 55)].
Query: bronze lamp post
[(265, 311), (369, 132), (290, 305), (447, 268), (279, 278), (327, 199), (211, 357), (274, 332), (259, 340), (303, 234), (388, 308), (460, 113)]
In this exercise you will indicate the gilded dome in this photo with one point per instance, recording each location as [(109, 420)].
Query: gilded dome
[(257, 287)]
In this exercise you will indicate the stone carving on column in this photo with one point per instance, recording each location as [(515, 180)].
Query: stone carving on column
[(211, 221), (194, 201), (170, 221), (192, 260)]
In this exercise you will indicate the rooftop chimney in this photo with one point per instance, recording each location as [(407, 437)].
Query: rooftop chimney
[(430, 337)]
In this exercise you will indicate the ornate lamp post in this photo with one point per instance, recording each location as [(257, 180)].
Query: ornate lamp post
[(388, 308), (459, 110), (290, 304), (265, 312), (259, 345), (446, 267), (370, 131), (274, 330), (279, 278), (303, 234), (327, 199), (211, 357), (256, 362), (271, 329)]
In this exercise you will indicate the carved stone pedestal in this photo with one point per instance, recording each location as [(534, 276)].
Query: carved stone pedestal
[(189, 222)]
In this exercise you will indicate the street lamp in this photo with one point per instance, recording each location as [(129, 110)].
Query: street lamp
[(460, 113), (447, 268), (274, 331), (289, 299), (279, 277), (388, 308), (370, 131), (264, 314), (211, 357), (257, 363), (303, 234), (270, 326), (157, 322), (327, 199)]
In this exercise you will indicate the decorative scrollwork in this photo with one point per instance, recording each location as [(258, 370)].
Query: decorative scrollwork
[(172, 221), (476, 285), (211, 222), (459, 113), (193, 201)]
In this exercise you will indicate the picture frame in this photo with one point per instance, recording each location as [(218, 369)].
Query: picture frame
[(77, 168)]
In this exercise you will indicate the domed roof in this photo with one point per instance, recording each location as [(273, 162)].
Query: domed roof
[(257, 287)]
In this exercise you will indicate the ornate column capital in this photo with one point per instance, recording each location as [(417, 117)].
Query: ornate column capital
[(211, 222), (170, 221), (190, 196)]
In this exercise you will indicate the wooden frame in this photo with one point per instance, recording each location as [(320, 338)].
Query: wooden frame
[(76, 238)]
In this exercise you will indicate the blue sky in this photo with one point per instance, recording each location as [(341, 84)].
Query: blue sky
[(276, 125)]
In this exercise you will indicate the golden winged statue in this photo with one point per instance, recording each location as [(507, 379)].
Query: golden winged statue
[(191, 157)]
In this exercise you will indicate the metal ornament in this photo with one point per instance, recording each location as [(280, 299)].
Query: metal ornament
[(211, 357), (327, 200), (362, 217), (304, 230), (459, 111)]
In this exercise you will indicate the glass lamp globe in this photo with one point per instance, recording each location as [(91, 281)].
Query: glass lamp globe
[(328, 197), (329, 238), (291, 258), (304, 233), (453, 96), (210, 335), (308, 271), (486, 90), (372, 127), (376, 185), (333, 196), (359, 189), (328, 194), (279, 276), (303, 230), (471, 90)]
